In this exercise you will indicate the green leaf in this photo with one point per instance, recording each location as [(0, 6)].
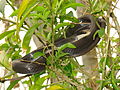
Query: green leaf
[(101, 32), (67, 45), (49, 36), (62, 25), (54, 4), (46, 14), (59, 55), (22, 8), (72, 5), (37, 54), (23, 19), (2, 5), (4, 60), (39, 9), (16, 55), (117, 67), (38, 85), (113, 80), (4, 46), (28, 35), (3, 35), (14, 13), (12, 84), (56, 87), (88, 89), (68, 69)]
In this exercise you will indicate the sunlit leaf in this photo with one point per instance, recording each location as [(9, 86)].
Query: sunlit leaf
[(37, 54), (60, 54), (12, 84), (101, 32), (3, 35), (28, 36), (4, 46), (39, 9), (22, 8), (2, 5), (54, 4), (67, 45), (38, 85), (4, 60), (56, 87), (22, 20), (62, 25), (14, 13), (73, 5)]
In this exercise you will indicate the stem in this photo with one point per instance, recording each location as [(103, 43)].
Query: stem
[(113, 79), (106, 53), (13, 79), (4, 19), (116, 23), (67, 79), (81, 70), (53, 31), (10, 5)]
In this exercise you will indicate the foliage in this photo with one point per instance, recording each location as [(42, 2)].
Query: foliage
[(46, 20)]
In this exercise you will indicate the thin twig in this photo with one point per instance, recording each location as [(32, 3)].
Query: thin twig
[(10, 5), (13, 79), (3, 19)]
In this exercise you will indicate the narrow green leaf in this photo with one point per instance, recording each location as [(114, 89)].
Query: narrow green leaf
[(46, 14), (14, 13), (38, 83), (4, 60), (2, 5), (72, 5), (59, 55), (22, 20), (49, 36), (28, 36), (56, 87), (67, 45), (62, 25), (22, 8), (101, 32), (6, 33), (12, 84), (26, 14), (113, 80), (37, 54), (54, 4), (39, 8)]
